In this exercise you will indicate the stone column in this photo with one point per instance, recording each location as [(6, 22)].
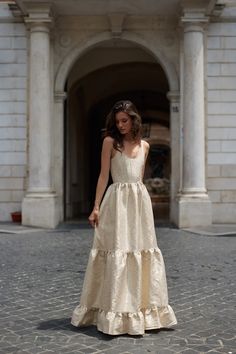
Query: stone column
[(39, 206), (194, 204)]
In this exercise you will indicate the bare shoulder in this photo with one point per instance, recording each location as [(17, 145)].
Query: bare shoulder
[(146, 146), (107, 145), (108, 141)]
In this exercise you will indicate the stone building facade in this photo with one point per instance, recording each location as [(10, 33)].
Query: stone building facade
[(62, 66)]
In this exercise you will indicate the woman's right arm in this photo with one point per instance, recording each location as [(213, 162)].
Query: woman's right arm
[(107, 147)]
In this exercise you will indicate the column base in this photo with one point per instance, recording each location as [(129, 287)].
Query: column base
[(193, 211), (41, 210)]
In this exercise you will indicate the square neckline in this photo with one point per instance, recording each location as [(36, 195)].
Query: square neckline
[(129, 157)]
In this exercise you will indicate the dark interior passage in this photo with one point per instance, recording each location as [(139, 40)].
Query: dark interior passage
[(89, 101)]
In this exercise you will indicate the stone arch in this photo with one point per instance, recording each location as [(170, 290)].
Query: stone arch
[(59, 96), (76, 52)]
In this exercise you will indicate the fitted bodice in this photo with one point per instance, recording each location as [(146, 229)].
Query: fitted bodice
[(125, 169)]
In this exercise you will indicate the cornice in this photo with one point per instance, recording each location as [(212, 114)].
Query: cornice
[(117, 22)]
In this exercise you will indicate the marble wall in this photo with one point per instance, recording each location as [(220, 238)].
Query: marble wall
[(13, 113), (221, 120)]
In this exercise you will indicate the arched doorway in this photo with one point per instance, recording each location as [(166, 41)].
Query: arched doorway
[(127, 73)]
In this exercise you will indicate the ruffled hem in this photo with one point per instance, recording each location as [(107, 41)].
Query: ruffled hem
[(119, 252), (116, 323)]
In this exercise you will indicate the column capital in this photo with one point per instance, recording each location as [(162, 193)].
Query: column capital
[(173, 96), (194, 16), (39, 14), (60, 96), (197, 24)]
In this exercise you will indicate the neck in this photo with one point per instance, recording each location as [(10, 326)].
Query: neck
[(128, 137)]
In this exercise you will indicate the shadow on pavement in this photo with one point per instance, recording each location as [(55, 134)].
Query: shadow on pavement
[(91, 331), (56, 324), (64, 324)]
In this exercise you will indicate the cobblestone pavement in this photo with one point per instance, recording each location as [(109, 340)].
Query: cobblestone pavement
[(41, 278)]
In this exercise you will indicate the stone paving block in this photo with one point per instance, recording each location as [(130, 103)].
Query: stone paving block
[(90, 350), (225, 350), (102, 346), (24, 345), (164, 351), (76, 339), (68, 349), (41, 283), (177, 340), (10, 349), (157, 341), (203, 348), (51, 346), (189, 351), (113, 349), (74, 352), (230, 343), (11, 338), (228, 336), (142, 350), (126, 340), (214, 340), (35, 350), (193, 341)]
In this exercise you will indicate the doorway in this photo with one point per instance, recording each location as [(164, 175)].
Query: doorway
[(90, 97)]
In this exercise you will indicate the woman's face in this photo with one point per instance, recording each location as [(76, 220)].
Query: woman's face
[(123, 123)]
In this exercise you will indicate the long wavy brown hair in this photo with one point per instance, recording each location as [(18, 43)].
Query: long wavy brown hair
[(111, 128)]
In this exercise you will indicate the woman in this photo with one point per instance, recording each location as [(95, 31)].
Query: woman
[(125, 287)]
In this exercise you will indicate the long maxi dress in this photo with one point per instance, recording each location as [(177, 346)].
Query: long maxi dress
[(125, 288)]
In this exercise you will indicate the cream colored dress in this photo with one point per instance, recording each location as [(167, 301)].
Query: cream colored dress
[(125, 289)]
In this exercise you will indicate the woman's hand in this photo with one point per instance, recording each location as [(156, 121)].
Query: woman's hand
[(93, 217)]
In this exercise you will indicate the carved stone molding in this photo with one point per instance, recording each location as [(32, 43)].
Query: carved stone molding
[(116, 21), (173, 96), (60, 96), (65, 40), (39, 13), (194, 12)]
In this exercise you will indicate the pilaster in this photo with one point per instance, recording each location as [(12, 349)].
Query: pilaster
[(59, 149), (175, 133)]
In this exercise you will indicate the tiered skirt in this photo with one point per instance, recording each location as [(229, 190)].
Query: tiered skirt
[(125, 289)]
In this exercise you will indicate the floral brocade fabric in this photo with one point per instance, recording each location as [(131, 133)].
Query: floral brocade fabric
[(125, 288)]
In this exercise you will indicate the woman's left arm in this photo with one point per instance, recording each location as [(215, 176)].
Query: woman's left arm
[(146, 148)]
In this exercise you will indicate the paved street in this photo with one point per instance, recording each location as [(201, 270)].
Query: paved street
[(41, 279)]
